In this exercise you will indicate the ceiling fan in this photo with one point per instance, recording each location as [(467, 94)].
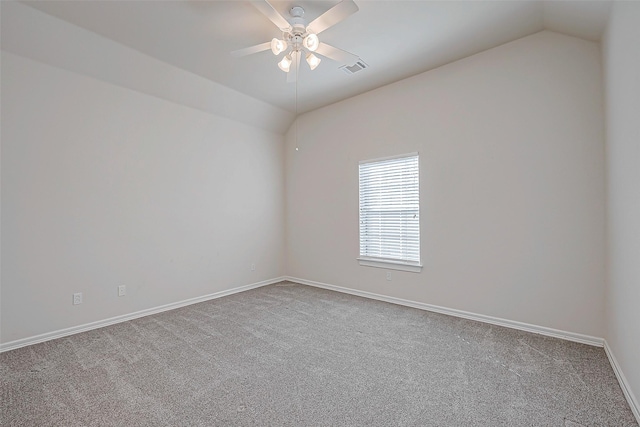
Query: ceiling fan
[(299, 39)]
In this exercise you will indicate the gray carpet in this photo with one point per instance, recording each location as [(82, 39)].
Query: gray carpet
[(292, 355)]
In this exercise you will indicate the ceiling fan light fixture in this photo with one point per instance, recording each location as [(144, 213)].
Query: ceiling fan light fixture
[(313, 61), (311, 42), (278, 46), (285, 64), (301, 38)]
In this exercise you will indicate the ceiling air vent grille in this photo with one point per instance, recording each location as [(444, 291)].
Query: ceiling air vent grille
[(352, 69)]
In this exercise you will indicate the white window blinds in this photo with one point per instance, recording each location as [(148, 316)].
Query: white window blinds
[(390, 209)]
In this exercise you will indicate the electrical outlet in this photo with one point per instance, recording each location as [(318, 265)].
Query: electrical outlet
[(122, 290), (77, 298), (253, 267), (388, 275)]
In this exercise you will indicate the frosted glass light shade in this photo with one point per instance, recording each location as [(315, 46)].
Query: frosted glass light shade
[(285, 64), (311, 42), (278, 46), (313, 61)]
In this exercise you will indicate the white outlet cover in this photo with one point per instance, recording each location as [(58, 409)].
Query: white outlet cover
[(77, 298), (122, 290)]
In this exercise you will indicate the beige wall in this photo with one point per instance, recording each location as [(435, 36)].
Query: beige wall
[(512, 184), (104, 186), (622, 81)]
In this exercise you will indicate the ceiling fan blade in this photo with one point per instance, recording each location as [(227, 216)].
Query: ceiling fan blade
[(250, 50), (270, 12), (292, 75), (332, 16), (338, 55)]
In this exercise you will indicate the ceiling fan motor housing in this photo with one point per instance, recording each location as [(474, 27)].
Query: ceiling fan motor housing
[(296, 36), (298, 30)]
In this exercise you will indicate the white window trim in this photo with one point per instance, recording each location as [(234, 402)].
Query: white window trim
[(390, 264), (398, 156), (385, 263)]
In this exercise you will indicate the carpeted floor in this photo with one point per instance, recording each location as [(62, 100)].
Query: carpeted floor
[(292, 355)]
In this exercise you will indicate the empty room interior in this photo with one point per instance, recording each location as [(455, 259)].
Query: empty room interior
[(300, 213)]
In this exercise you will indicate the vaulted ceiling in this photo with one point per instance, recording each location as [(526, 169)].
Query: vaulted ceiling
[(396, 39)]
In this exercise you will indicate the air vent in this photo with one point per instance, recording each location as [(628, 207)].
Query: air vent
[(352, 69)]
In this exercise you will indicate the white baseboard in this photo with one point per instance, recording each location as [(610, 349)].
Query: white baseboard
[(11, 345), (570, 336), (542, 330), (624, 385)]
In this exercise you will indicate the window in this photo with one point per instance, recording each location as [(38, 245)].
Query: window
[(390, 213)]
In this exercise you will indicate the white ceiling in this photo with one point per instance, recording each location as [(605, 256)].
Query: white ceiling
[(397, 39)]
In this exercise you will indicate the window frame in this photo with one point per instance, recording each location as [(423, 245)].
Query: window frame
[(385, 262)]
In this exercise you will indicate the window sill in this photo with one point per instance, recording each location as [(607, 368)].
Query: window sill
[(390, 265)]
